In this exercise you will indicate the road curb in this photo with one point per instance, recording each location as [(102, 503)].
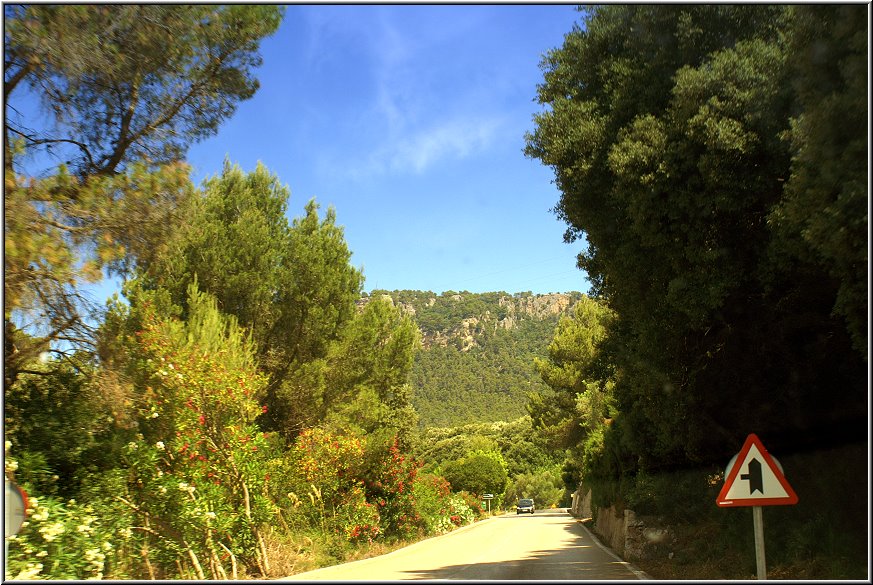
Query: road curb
[(639, 573)]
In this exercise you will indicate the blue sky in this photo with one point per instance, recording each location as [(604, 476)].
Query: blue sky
[(410, 121)]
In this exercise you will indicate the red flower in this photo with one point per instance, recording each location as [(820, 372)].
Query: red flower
[(264, 408), (202, 420)]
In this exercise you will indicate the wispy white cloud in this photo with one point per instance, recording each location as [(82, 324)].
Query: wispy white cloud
[(416, 111), (455, 139)]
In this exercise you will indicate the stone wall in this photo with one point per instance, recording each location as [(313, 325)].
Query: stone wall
[(581, 507), (645, 539), (632, 537), (610, 526)]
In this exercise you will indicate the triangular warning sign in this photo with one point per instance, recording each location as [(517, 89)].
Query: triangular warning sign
[(755, 479)]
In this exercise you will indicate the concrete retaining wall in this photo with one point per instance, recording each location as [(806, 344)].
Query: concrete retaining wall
[(630, 536), (581, 507), (611, 528)]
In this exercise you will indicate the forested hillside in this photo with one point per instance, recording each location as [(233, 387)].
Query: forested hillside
[(243, 409), (477, 359)]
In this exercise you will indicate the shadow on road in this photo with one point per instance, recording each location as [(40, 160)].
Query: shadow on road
[(580, 559)]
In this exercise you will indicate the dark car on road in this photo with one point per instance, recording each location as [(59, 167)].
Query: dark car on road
[(524, 506)]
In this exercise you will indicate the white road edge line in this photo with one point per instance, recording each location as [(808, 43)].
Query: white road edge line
[(640, 574)]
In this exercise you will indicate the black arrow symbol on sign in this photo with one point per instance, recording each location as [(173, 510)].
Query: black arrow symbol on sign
[(754, 477)]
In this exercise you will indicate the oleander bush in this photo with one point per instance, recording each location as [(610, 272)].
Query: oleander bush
[(70, 540)]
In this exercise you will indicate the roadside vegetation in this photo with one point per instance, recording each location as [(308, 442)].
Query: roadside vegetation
[(233, 413), (243, 410), (715, 161), (161, 456)]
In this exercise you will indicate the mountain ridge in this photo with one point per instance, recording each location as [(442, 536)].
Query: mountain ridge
[(476, 361)]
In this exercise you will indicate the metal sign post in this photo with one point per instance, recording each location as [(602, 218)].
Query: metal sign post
[(754, 478), (760, 561), (488, 498)]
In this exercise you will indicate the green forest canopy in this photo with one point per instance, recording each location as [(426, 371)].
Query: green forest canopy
[(715, 159)]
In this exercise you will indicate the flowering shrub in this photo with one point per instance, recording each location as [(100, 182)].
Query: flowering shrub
[(456, 513), (431, 495), (329, 467), (330, 461), (441, 510), (472, 502), (198, 468), (460, 512), (358, 519), (390, 482), (69, 540)]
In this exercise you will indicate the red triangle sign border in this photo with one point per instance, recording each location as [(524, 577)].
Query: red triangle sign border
[(722, 500)]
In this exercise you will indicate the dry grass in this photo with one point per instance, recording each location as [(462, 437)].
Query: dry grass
[(704, 558), (288, 555), (375, 549), (670, 570), (297, 553)]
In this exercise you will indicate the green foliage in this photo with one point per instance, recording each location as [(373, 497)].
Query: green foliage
[(487, 381), (71, 541), (579, 407), (481, 472), (62, 232), (66, 428), (292, 286), (824, 210), (133, 82), (714, 160), (544, 486), (520, 446), (323, 285), (443, 312), (127, 90), (365, 374), (669, 148), (579, 401), (231, 244)]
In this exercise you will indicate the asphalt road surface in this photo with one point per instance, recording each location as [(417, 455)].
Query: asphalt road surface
[(548, 545)]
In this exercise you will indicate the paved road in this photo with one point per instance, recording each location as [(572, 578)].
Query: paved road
[(550, 544)]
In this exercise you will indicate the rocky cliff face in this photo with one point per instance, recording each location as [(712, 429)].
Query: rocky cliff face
[(463, 318), (535, 306)]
